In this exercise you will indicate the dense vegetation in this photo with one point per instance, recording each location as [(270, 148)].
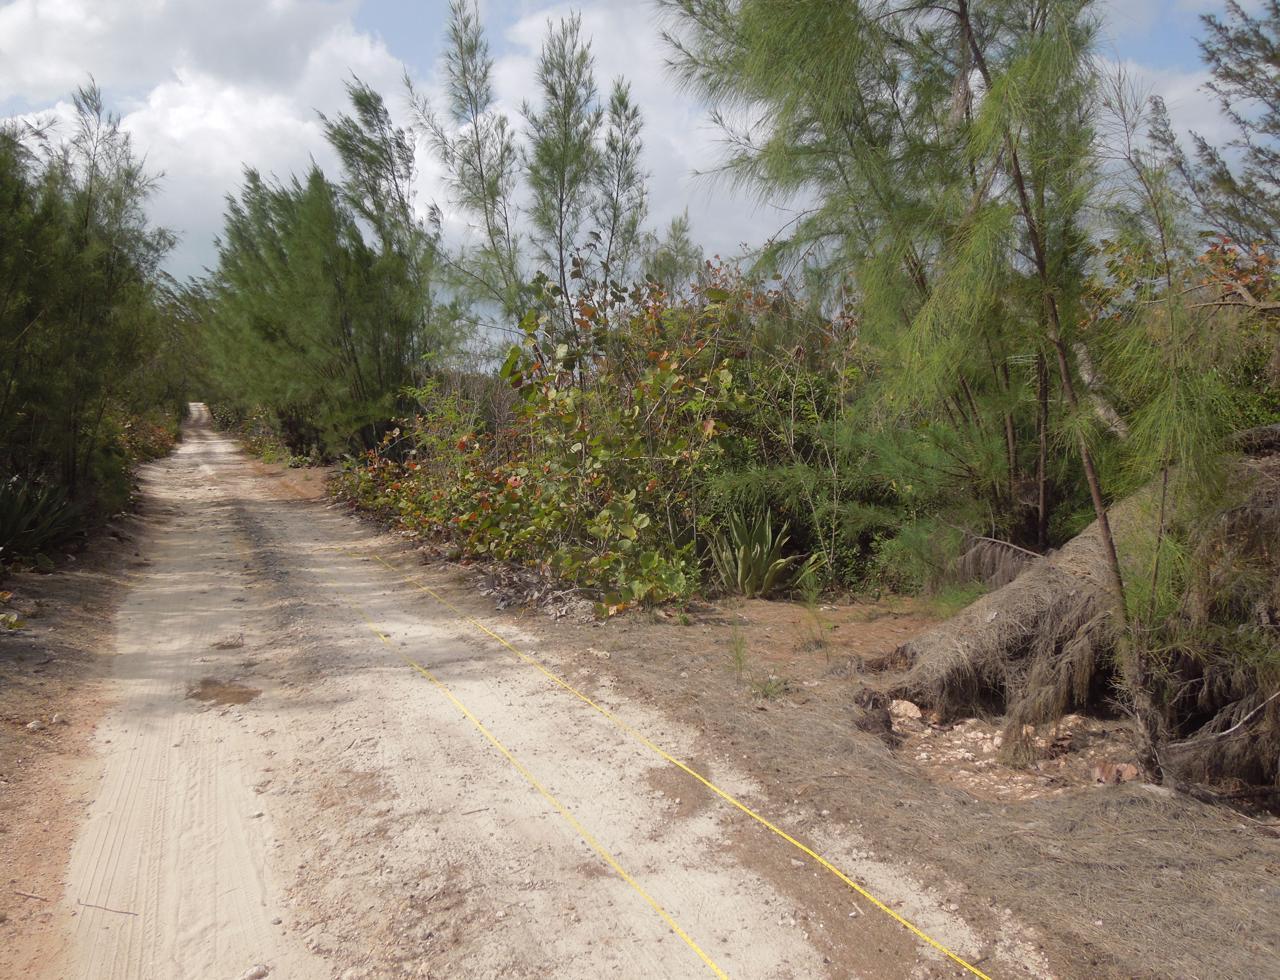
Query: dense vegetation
[(1020, 329), (1008, 326), (92, 338)]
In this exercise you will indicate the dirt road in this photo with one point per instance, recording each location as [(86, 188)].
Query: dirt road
[(313, 767)]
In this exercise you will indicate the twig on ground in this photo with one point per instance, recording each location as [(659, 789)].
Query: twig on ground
[(105, 908), (30, 895)]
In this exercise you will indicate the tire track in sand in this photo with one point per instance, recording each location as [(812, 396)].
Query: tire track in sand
[(167, 876)]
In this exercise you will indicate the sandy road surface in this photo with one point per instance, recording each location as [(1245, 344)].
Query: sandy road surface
[(279, 788)]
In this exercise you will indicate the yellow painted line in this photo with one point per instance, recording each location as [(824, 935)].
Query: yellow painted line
[(723, 794), (560, 808)]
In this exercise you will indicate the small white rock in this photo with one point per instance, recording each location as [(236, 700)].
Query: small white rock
[(35, 726), (59, 719), (256, 972), (904, 710)]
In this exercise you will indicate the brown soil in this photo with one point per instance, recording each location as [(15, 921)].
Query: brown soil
[(222, 692), (51, 668), (1116, 880), (353, 820)]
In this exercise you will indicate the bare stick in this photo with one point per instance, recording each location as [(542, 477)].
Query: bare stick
[(31, 895), (90, 905), (1004, 544), (1200, 738)]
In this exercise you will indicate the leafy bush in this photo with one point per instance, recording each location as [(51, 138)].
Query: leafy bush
[(148, 437), (593, 474), (637, 436), (916, 558)]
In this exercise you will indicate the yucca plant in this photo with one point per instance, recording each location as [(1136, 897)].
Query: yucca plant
[(748, 556)]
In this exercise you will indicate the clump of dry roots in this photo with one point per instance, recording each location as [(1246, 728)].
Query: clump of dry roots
[(1045, 642), (1227, 704)]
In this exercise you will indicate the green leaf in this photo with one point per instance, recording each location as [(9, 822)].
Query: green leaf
[(509, 366)]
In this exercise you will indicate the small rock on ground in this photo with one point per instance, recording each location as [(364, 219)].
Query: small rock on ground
[(904, 710)]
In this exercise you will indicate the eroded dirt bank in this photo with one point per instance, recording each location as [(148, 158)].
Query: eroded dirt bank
[(277, 787)]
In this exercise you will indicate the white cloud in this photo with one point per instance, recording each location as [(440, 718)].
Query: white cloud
[(1129, 18), (679, 139), (204, 88), (207, 87), (49, 46), (200, 130)]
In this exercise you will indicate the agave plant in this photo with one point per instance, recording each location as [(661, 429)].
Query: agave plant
[(748, 555), (32, 517)]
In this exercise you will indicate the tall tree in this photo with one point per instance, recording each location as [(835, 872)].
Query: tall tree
[(477, 145), (622, 197), (83, 302), (1239, 197), (674, 260), (563, 158), (322, 307), (943, 155), (378, 176), (81, 289), (539, 200)]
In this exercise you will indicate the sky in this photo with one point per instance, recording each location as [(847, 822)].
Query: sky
[(206, 87)]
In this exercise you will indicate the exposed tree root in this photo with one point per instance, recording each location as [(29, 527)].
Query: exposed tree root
[(1032, 646), (1044, 644)]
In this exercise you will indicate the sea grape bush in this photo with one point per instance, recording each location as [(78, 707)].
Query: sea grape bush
[(593, 478)]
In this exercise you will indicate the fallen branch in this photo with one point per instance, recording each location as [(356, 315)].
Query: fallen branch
[(40, 898), (1212, 735), (1003, 544)]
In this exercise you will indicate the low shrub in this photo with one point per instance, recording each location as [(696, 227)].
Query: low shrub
[(594, 483)]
